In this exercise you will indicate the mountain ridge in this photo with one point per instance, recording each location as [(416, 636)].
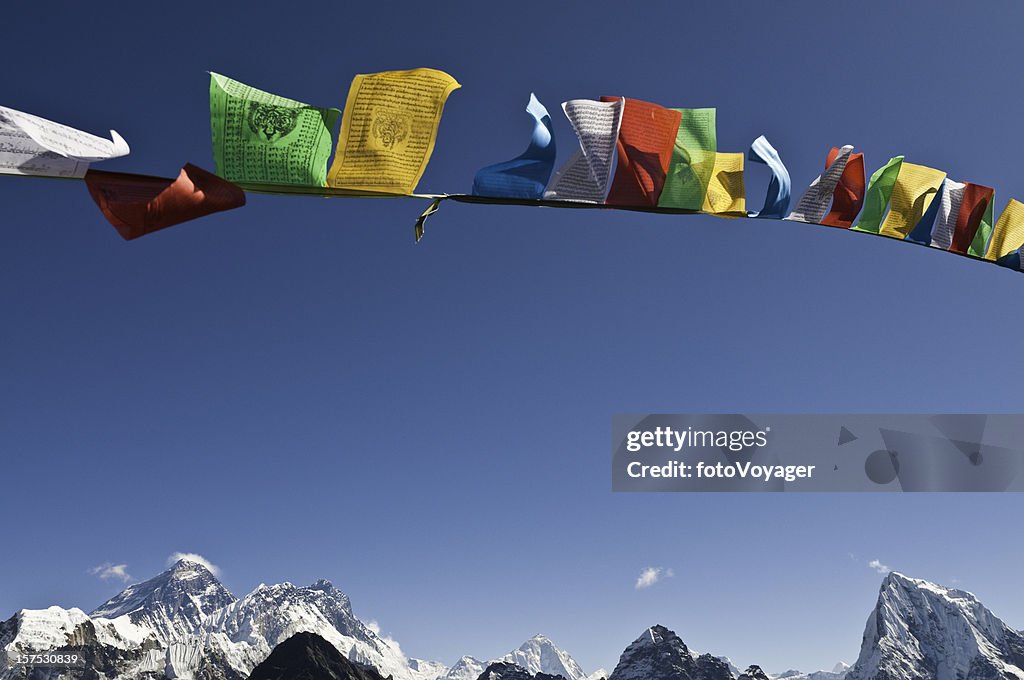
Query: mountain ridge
[(184, 624)]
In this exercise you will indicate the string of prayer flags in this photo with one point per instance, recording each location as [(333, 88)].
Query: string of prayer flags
[(261, 138), (30, 145), (526, 175), (584, 177), (876, 199), (815, 200), (913, 192), (389, 129), (139, 204), (848, 196), (693, 161), (726, 196), (776, 200), (630, 154), (647, 134)]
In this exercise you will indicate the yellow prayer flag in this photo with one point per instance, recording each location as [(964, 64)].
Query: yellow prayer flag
[(915, 189), (1008, 234), (726, 195), (388, 129)]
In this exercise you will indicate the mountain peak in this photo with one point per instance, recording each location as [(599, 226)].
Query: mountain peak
[(895, 582), (753, 672), (539, 655), (309, 656), (918, 627), (189, 568), (173, 604), (660, 654)]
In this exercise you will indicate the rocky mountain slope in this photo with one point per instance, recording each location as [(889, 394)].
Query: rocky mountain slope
[(921, 631)]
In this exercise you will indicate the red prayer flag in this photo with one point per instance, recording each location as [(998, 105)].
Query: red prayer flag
[(646, 138), (848, 196), (140, 204), (972, 210)]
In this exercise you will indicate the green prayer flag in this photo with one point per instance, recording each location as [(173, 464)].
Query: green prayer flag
[(877, 197), (259, 137), (980, 243), (693, 161)]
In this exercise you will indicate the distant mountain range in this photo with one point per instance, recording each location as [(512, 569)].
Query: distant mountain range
[(184, 624)]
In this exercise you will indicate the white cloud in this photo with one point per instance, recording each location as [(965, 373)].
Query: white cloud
[(108, 571), (651, 575), (193, 557), (374, 626), (879, 567)]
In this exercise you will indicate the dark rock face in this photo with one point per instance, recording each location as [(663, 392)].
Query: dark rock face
[(509, 671), (307, 656), (660, 654), (753, 673)]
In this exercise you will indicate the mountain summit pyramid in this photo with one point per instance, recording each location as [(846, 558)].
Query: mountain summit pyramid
[(922, 631), (659, 654)]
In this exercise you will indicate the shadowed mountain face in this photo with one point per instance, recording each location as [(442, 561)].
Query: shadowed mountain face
[(659, 654), (504, 670), (307, 656)]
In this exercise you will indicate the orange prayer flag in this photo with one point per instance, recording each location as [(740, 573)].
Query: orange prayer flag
[(140, 204), (646, 138), (848, 196)]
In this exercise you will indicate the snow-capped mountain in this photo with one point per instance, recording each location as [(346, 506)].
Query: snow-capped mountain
[(184, 624), (537, 655), (838, 672), (466, 668), (246, 630), (659, 654), (919, 630), (540, 655), (173, 605)]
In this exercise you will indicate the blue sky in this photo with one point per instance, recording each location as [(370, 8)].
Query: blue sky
[(295, 390)]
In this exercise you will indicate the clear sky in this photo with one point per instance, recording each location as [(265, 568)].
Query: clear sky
[(296, 390)]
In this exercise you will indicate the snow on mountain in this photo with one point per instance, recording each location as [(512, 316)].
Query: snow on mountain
[(173, 605), (659, 654), (540, 655), (466, 668), (248, 629), (428, 670), (919, 630), (184, 624), (838, 672)]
